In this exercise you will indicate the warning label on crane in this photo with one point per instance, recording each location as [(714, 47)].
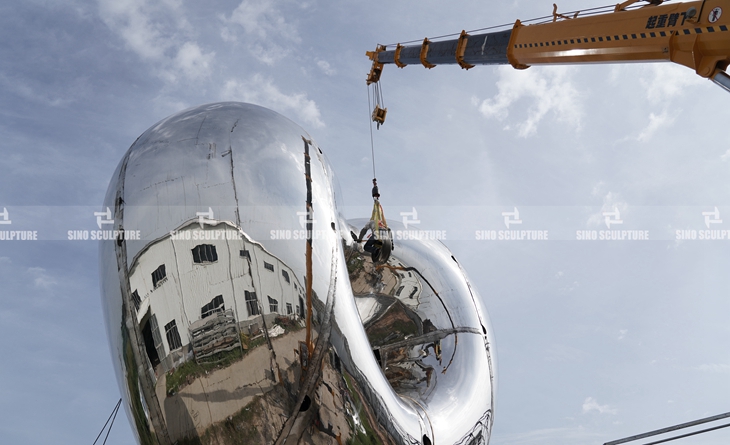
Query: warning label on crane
[(715, 14)]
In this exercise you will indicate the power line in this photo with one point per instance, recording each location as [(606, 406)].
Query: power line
[(673, 428), (112, 417), (689, 434)]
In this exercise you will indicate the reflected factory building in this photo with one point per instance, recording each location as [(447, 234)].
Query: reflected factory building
[(185, 282), (223, 334)]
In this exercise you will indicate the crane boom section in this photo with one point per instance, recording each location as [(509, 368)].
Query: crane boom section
[(694, 34)]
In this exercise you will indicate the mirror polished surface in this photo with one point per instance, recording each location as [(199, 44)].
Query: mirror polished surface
[(245, 313)]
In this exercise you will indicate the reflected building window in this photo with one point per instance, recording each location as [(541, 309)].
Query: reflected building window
[(289, 309), (215, 305), (252, 304), (205, 253), (285, 274), (136, 300), (173, 336), (158, 276), (153, 341), (269, 267), (273, 305)]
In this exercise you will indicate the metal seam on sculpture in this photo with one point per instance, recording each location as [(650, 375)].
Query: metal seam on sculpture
[(182, 302), (317, 357), (233, 289), (120, 251), (197, 135), (233, 176)]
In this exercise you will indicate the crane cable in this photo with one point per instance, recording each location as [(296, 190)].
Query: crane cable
[(372, 145), (112, 417)]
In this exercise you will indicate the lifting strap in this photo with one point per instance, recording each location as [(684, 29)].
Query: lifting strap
[(379, 217)]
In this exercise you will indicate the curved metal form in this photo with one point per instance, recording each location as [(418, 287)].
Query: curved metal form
[(240, 310)]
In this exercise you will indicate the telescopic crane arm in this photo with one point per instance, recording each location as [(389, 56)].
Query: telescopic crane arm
[(694, 34)]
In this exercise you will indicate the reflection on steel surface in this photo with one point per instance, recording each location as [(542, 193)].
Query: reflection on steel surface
[(207, 312)]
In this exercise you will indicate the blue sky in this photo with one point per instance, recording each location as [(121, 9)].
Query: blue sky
[(595, 340)]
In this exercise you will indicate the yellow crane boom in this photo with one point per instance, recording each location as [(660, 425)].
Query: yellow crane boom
[(694, 34)]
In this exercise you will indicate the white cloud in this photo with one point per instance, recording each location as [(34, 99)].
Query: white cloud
[(268, 54), (193, 62), (598, 188), (664, 85), (5, 260), (590, 404), (611, 202), (550, 90), (264, 92), (570, 287), (714, 368), (41, 278), (268, 35), (622, 334), (158, 33), (131, 20), (27, 91), (326, 68), (726, 156), (226, 34), (664, 82), (655, 123)]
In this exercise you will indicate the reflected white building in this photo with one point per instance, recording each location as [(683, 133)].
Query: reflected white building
[(184, 280)]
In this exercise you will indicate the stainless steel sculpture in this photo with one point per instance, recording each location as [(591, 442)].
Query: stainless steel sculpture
[(245, 313)]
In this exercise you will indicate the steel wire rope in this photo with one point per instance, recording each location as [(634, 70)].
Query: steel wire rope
[(372, 145), (583, 12), (112, 417)]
